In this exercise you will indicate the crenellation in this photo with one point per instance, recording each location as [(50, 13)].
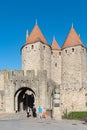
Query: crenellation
[(52, 77), (30, 73)]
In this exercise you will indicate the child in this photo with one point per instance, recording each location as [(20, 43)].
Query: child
[(44, 113)]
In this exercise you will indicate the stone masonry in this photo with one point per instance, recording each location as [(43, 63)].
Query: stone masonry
[(52, 77)]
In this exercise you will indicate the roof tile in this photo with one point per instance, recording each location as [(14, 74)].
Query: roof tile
[(72, 39), (55, 45), (36, 35)]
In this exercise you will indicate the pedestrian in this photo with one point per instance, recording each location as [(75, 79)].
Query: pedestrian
[(44, 113), (28, 111), (40, 110), (34, 112)]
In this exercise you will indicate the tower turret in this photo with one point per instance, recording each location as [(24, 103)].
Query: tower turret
[(73, 70), (36, 53), (72, 53)]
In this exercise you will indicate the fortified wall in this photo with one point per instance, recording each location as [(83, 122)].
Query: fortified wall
[(14, 80), (52, 77)]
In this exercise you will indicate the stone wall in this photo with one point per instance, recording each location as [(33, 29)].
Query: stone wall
[(56, 66), (73, 98), (36, 57), (72, 65), (42, 71), (47, 59), (1, 81), (14, 80), (31, 57), (1, 101), (83, 65)]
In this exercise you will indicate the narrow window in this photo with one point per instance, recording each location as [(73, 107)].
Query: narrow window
[(55, 64), (66, 51), (51, 52), (44, 47), (72, 49), (32, 47), (83, 50), (60, 53)]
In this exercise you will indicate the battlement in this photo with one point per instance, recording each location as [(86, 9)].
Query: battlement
[(19, 74)]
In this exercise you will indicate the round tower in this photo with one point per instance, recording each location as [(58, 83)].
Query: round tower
[(73, 54), (36, 53), (73, 72)]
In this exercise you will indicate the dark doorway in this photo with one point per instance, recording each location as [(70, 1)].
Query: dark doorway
[(24, 97), (28, 101)]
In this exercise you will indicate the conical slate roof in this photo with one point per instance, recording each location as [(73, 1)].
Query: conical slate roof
[(72, 39), (55, 45), (36, 36)]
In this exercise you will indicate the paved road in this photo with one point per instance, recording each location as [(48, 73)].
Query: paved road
[(37, 124)]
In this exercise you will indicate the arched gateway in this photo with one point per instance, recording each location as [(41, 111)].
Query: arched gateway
[(24, 97)]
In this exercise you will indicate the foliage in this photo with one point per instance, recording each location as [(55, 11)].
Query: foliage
[(86, 94), (76, 115)]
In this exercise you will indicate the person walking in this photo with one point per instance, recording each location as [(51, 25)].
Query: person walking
[(28, 111), (40, 110), (34, 112), (44, 113)]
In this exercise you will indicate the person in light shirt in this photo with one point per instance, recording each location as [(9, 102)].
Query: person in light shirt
[(40, 110)]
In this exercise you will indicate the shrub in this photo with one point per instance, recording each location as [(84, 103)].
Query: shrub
[(76, 115)]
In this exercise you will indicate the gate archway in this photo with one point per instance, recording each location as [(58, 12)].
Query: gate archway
[(23, 98)]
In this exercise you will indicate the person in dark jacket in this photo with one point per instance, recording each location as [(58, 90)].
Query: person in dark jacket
[(34, 112)]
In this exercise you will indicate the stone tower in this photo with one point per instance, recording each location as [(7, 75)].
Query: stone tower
[(73, 70), (73, 52), (52, 77), (36, 54)]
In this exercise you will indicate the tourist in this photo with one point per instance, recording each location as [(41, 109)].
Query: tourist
[(40, 110), (44, 113), (34, 112), (28, 111)]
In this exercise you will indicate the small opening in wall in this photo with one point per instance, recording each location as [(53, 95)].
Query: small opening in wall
[(51, 52), (44, 47), (66, 51), (72, 49), (26, 47), (55, 64), (60, 53), (32, 47), (82, 49)]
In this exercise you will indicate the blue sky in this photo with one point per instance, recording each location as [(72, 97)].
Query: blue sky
[(54, 17)]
